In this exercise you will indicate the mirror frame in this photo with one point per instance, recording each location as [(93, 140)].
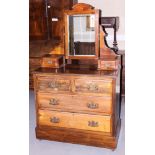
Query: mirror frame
[(82, 9)]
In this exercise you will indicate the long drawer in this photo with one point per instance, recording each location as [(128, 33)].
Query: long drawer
[(75, 120), (75, 103)]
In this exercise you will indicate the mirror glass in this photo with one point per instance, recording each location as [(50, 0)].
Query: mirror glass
[(81, 39)]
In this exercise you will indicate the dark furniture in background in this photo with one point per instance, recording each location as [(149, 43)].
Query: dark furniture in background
[(56, 18), (37, 20), (46, 18)]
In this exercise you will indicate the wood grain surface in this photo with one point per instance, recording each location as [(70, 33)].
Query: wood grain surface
[(75, 120), (75, 103)]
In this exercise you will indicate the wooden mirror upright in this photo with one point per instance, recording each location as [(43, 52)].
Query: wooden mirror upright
[(82, 32)]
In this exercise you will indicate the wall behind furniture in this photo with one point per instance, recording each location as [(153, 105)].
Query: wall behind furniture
[(112, 8)]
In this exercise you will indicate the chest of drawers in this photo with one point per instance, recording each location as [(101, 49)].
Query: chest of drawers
[(78, 106)]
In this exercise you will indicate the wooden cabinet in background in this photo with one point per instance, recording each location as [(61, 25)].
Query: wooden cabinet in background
[(46, 18), (37, 20), (56, 20)]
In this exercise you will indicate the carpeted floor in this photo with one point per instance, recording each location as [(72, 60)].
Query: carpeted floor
[(44, 147)]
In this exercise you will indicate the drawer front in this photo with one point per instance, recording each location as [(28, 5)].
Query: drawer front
[(49, 62), (75, 120), (109, 65), (74, 103), (93, 86), (53, 84)]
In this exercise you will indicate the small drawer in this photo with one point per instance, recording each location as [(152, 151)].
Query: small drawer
[(75, 120), (93, 86), (53, 61), (109, 65), (53, 84), (75, 103), (48, 62)]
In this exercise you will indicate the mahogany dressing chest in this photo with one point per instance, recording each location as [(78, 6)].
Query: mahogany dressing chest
[(79, 101)]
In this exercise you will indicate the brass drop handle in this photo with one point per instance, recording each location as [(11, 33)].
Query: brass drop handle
[(49, 61), (93, 124), (92, 105), (92, 87), (53, 84), (54, 120), (107, 65), (53, 101)]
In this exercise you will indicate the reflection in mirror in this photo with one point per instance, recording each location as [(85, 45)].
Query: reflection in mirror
[(81, 35)]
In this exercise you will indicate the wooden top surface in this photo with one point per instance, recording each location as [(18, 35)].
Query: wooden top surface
[(87, 70)]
